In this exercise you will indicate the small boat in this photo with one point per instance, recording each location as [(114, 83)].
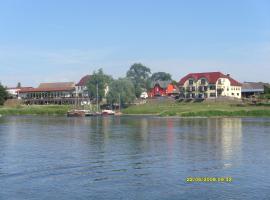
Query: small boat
[(118, 113), (108, 112), (76, 113)]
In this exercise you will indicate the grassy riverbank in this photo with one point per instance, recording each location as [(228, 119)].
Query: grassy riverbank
[(212, 109), (156, 108), (35, 110)]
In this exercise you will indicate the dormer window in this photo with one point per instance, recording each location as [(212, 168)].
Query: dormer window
[(203, 81), (190, 82)]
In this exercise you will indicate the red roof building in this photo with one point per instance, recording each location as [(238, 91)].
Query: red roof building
[(162, 88), (81, 86), (212, 77), (209, 84), (84, 80), (49, 90)]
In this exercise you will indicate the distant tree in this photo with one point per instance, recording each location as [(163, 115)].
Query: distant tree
[(125, 88), (3, 94), (139, 75), (102, 81), (19, 85), (174, 82), (161, 76)]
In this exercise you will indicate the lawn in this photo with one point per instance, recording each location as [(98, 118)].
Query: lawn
[(198, 109), (35, 110)]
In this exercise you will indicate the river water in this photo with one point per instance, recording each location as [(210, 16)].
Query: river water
[(133, 158)]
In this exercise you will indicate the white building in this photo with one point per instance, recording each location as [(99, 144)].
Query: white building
[(209, 85), (81, 87)]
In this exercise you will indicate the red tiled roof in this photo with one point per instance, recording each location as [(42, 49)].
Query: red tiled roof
[(212, 78), (84, 80), (56, 89)]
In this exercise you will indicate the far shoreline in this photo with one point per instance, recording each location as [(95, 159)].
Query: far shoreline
[(160, 109)]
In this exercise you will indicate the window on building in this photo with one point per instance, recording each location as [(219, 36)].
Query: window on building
[(212, 87), (212, 94), (190, 82), (237, 94), (232, 93), (203, 81)]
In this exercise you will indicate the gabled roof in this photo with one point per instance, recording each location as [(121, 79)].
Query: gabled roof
[(212, 77), (162, 84), (84, 80), (51, 87)]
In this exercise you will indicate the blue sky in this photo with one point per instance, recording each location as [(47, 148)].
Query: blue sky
[(63, 40)]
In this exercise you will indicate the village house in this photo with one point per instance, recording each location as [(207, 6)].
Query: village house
[(48, 91), (56, 93), (162, 88), (209, 85), (81, 87), (254, 89)]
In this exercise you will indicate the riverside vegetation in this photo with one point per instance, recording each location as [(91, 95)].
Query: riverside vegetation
[(34, 110), (204, 109)]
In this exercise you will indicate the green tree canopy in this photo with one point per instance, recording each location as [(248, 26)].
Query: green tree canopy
[(125, 88), (102, 81), (3, 94), (161, 76), (139, 75)]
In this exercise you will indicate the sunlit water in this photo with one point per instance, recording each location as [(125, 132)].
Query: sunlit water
[(133, 158)]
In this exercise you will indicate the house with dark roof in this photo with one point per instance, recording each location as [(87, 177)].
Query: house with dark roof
[(81, 86), (253, 89), (209, 85)]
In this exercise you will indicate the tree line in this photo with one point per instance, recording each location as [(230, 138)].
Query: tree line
[(138, 79), (3, 94)]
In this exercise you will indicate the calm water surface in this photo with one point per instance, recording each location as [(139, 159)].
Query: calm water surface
[(133, 158)]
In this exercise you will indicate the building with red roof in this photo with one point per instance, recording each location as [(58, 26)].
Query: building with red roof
[(55, 92), (162, 88), (209, 85), (81, 86), (49, 90)]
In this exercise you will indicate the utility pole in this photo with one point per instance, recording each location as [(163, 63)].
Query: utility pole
[(97, 97), (119, 103)]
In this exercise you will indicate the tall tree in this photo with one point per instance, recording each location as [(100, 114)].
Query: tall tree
[(161, 76), (139, 75), (100, 80), (3, 94), (123, 87)]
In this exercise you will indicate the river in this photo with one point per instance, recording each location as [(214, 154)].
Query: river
[(133, 158)]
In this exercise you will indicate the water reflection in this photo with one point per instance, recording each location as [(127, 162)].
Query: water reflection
[(144, 157)]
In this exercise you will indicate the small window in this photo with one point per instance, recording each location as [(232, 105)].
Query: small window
[(190, 82), (203, 81), (232, 93), (212, 94), (237, 94)]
